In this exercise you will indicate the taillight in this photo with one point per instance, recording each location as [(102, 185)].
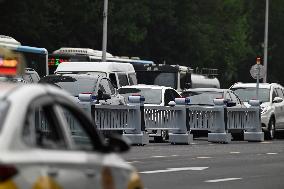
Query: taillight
[(7, 172)]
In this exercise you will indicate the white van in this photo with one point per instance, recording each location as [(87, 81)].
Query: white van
[(120, 74)]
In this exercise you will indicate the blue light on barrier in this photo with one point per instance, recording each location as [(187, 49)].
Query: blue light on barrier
[(93, 97), (187, 100)]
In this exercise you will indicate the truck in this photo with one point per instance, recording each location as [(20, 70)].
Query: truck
[(176, 76)]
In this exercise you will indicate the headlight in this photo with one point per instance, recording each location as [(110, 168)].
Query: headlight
[(135, 181)]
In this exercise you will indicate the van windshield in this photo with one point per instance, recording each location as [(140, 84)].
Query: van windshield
[(74, 84)]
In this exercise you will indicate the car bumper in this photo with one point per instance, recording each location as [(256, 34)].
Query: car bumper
[(265, 121)]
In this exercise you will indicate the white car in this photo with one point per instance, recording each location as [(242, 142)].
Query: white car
[(271, 96), (154, 96), (40, 149)]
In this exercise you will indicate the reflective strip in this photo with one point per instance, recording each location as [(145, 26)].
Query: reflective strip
[(46, 182), (8, 185)]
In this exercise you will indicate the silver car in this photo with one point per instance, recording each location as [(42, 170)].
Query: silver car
[(46, 141)]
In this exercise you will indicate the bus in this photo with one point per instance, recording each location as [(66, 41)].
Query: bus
[(65, 54), (35, 58)]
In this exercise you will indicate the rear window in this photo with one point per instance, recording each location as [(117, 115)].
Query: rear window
[(249, 93), (4, 106), (202, 97), (72, 84), (152, 96)]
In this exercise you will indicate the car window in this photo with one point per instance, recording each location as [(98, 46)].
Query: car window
[(4, 105), (235, 98), (35, 77), (279, 92), (227, 96), (27, 77), (152, 96), (122, 78), (168, 96), (112, 78), (132, 79), (42, 128), (106, 87), (274, 94), (174, 93), (79, 136)]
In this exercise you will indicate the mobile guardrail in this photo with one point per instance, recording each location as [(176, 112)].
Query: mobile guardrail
[(135, 119)]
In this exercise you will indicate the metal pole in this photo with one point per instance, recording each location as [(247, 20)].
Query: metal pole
[(104, 31), (266, 41)]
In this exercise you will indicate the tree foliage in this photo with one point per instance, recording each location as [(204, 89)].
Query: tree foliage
[(223, 34)]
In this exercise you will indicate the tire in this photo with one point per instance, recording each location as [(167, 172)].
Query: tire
[(270, 134), (163, 138)]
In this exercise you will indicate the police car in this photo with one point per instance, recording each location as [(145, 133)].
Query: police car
[(47, 142)]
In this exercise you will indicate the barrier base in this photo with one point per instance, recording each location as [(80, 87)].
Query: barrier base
[(219, 137), (254, 136), (138, 139), (180, 138)]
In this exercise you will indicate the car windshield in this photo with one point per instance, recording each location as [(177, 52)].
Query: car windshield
[(248, 93), (202, 97), (75, 84), (152, 96)]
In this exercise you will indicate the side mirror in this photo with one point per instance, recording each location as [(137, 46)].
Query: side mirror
[(277, 100), (118, 144)]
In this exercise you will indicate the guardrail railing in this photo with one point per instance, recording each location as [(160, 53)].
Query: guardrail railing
[(179, 119)]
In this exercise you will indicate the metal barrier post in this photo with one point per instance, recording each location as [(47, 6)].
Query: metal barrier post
[(181, 136), (219, 132), (85, 102), (254, 132), (137, 136)]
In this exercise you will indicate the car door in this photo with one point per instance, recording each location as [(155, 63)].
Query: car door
[(277, 109), (60, 165), (280, 108)]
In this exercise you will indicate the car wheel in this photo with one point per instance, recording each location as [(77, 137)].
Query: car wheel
[(270, 135), (164, 136)]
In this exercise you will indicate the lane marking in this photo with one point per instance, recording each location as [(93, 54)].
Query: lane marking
[(271, 153), (222, 180), (203, 157), (174, 155), (235, 152), (158, 156), (265, 142), (133, 162), (175, 170)]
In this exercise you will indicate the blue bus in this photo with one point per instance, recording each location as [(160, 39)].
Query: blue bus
[(36, 58)]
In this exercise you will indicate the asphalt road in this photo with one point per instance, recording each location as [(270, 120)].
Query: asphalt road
[(204, 165)]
